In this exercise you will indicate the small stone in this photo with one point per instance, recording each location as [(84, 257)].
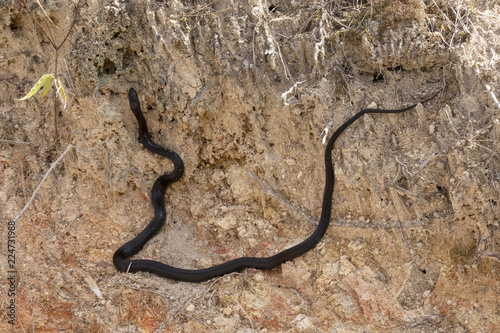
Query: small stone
[(227, 222), (302, 322), (218, 176), (190, 307), (206, 262), (258, 277)]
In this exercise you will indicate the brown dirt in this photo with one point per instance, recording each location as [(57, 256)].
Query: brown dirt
[(414, 239)]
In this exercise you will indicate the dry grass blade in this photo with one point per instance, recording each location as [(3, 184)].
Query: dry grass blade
[(46, 15), (93, 285)]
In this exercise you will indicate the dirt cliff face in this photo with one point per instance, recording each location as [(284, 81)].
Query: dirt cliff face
[(241, 89)]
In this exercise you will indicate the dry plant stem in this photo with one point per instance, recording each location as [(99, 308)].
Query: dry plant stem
[(451, 124), (239, 305), (13, 141), (278, 197), (33, 313), (56, 48), (40, 185), (488, 89), (483, 244), (491, 255), (20, 323), (54, 99)]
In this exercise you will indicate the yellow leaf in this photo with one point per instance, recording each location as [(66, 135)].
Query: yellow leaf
[(60, 92), (37, 87), (46, 85)]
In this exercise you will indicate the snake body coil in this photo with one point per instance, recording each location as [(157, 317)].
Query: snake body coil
[(120, 258)]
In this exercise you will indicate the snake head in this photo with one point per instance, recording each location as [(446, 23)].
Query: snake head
[(133, 100)]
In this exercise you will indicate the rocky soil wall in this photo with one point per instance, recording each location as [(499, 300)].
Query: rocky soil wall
[(243, 90)]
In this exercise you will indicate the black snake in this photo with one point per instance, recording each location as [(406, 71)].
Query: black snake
[(120, 258)]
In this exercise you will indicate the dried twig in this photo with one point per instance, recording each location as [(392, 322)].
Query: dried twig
[(491, 255), (12, 141), (43, 180), (409, 193), (33, 313), (254, 57), (488, 89), (198, 95), (20, 323), (483, 245), (289, 91), (242, 309), (288, 75), (106, 186), (429, 159), (401, 226), (363, 225), (451, 123), (23, 183), (278, 197)]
